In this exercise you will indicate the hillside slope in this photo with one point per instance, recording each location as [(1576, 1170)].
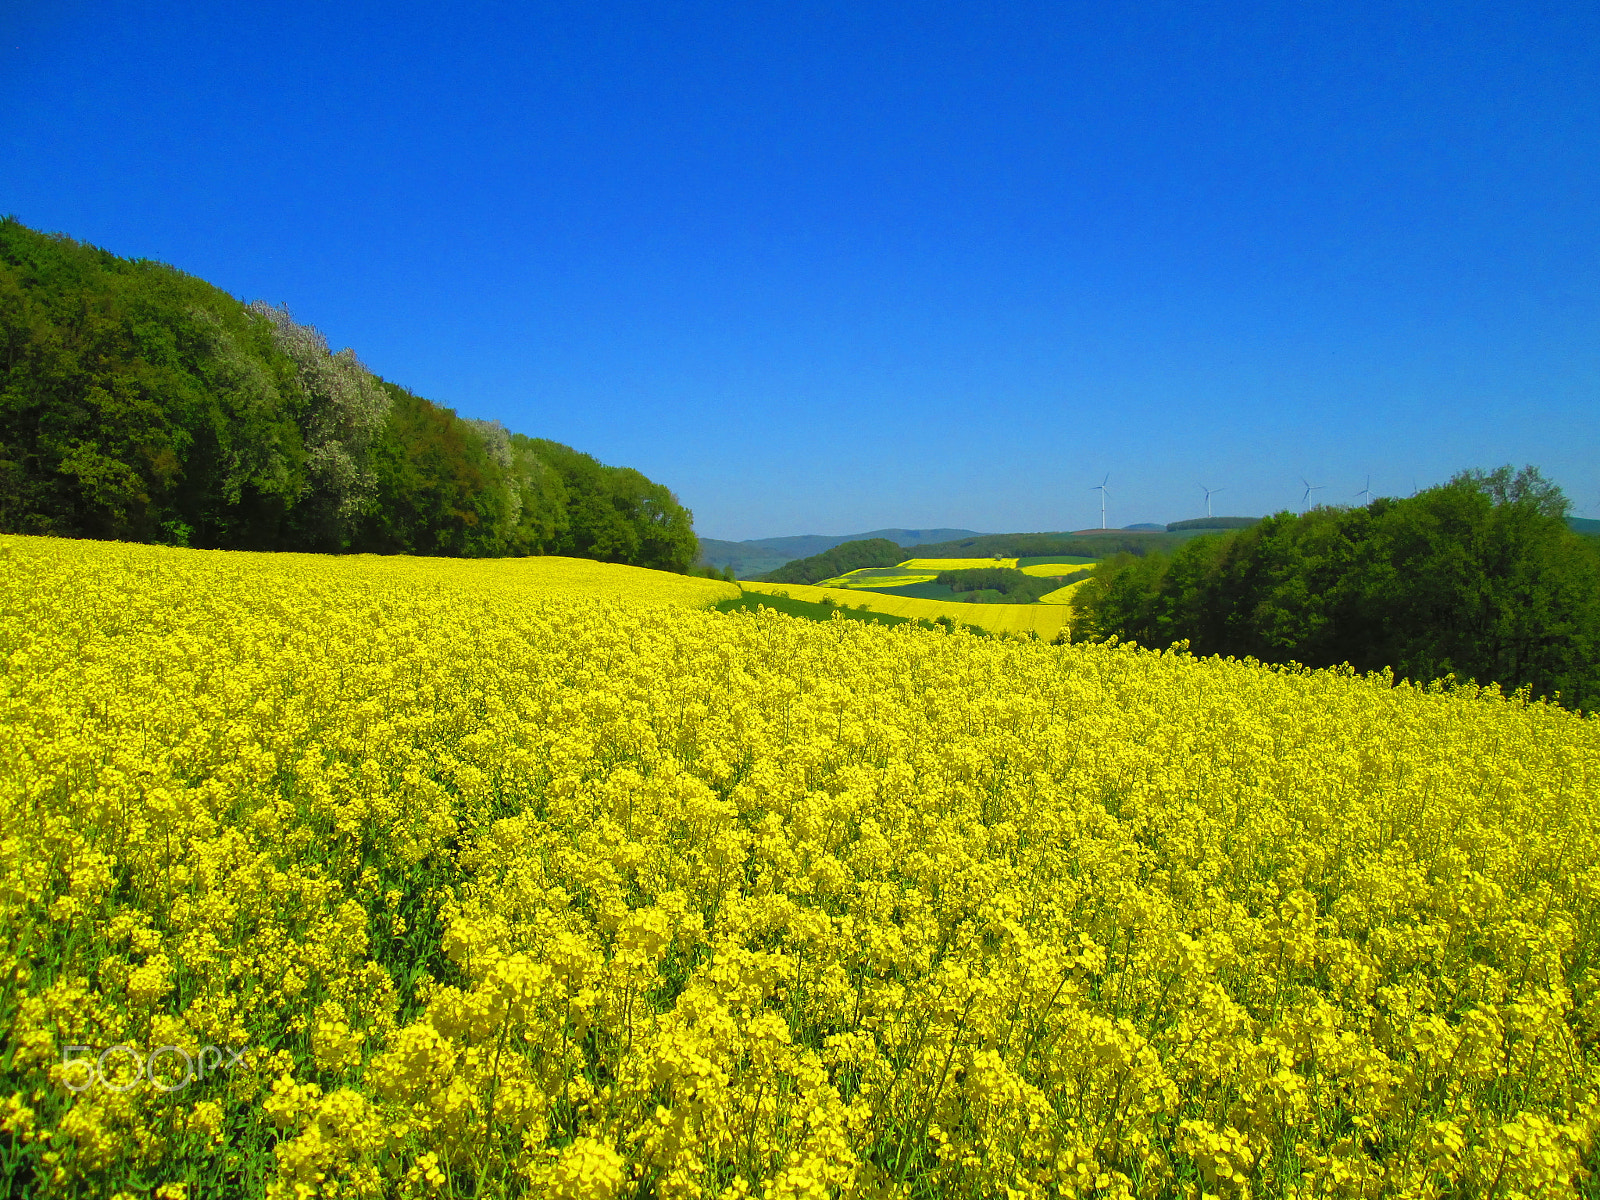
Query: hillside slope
[(431, 859), (139, 403)]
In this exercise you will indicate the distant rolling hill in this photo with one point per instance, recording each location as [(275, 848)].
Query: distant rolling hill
[(761, 556), (757, 556)]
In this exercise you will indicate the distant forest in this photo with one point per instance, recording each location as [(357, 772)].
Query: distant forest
[(848, 556), (142, 404), (1212, 523), (1481, 578)]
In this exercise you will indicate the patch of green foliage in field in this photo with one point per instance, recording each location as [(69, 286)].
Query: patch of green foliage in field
[(825, 610), (997, 585), (806, 609)]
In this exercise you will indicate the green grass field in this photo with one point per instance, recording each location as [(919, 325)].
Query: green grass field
[(923, 589)]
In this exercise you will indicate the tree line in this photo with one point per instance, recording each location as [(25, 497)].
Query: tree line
[(1008, 585), (1043, 545), (1479, 578), (847, 556), (1211, 523), (142, 404)]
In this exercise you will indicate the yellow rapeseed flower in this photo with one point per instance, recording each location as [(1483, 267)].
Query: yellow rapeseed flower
[(365, 877)]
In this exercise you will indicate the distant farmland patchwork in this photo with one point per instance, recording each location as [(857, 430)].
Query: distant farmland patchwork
[(1045, 620), (910, 589)]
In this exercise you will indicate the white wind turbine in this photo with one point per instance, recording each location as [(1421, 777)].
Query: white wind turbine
[(1101, 488), (1305, 501), (1209, 492), (1366, 492)]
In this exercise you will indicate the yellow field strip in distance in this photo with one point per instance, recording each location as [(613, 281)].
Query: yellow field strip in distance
[(1062, 595), (857, 579), (956, 564), (1046, 620), (1051, 570)]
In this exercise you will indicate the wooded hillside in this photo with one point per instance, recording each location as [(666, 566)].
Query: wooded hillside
[(142, 404)]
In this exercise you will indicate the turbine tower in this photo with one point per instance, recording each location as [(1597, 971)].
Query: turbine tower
[(1305, 501), (1366, 491), (1209, 492), (1101, 488)]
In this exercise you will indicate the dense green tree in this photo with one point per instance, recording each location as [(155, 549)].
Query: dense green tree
[(431, 483), (1480, 578), (1010, 585), (343, 410), (135, 400), (140, 403), (1212, 523), (615, 514), (1040, 545), (542, 515), (847, 556), (1483, 579)]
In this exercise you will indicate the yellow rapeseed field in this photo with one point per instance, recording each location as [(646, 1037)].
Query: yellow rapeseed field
[(1063, 594), (956, 564), (1049, 570), (529, 578), (338, 877)]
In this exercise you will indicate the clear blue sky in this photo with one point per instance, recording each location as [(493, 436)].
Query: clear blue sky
[(830, 267)]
